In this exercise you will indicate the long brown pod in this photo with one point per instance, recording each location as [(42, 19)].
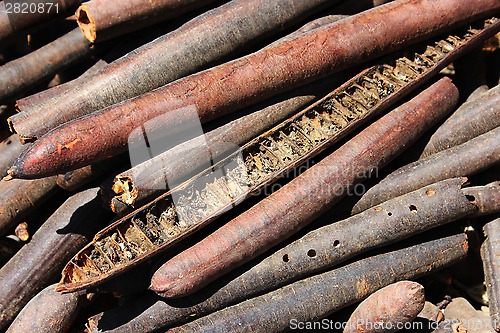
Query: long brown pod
[(466, 159), (490, 253), (39, 262), (264, 159), (42, 64), (197, 44), (487, 198), (134, 41), (100, 20), (246, 80), (389, 307), (48, 312), (314, 298), (150, 178), (470, 120), (26, 14), (10, 149), (318, 250), (40, 97), (20, 197), (289, 209)]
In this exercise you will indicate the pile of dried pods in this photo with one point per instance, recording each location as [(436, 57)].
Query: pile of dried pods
[(250, 165)]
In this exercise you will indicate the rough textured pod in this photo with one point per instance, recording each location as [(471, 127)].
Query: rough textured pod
[(395, 304)]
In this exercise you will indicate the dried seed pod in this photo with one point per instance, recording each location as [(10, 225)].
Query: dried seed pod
[(490, 253), (76, 179), (39, 262), (473, 118), (264, 159), (316, 297), (385, 309), (317, 251), (101, 20), (48, 312), (487, 198), (10, 149), (20, 197), (199, 43), (289, 209), (248, 80), (14, 20), (42, 64), (463, 160)]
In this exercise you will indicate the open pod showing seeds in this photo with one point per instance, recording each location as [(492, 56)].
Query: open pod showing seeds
[(188, 207)]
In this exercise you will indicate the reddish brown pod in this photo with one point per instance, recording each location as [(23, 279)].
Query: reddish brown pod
[(387, 309), (48, 312), (289, 209), (316, 297), (247, 80)]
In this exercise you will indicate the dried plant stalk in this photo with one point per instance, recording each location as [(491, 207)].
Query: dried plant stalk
[(100, 20), (473, 118), (12, 23), (42, 64), (20, 197)]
